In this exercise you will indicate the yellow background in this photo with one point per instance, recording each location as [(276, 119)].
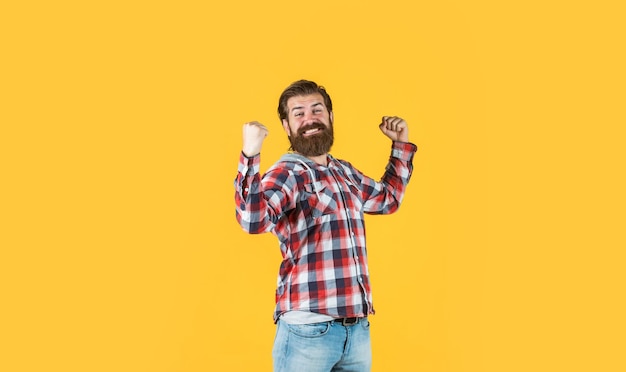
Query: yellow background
[(120, 132)]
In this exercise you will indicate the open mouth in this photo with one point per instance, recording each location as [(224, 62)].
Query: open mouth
[(311, 130)]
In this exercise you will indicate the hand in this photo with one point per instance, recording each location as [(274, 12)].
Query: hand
[(395, 128), (254, 134)]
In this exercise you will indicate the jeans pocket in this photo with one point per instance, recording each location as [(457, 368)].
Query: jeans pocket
[(309, 330), (365, 323)]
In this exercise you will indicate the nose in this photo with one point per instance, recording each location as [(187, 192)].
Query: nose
[(308, 118)]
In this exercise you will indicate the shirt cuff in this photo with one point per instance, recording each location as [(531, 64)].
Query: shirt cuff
[(403, 150), (249, 165)]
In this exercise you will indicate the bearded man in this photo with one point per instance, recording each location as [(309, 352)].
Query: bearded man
[(314, 204)]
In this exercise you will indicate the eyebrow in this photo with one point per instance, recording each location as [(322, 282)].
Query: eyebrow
[(301, 107)]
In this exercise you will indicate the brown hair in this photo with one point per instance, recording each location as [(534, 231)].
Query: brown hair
[(301, 88)]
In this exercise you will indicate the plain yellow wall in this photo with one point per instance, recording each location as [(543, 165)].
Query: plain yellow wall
[(120, 133)]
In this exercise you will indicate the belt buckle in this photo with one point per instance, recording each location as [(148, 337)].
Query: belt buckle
[(349, 321)]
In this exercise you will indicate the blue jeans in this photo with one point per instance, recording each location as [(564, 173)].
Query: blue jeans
[(322, 347)]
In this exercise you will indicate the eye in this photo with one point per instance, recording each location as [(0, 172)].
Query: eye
[(298, 114)]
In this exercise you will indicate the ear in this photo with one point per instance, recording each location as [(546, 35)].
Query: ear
[(286, 127), (332, 118)]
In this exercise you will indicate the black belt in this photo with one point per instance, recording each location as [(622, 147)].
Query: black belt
[(347, 321)]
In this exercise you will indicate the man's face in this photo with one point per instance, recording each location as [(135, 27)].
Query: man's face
[(309, 125)]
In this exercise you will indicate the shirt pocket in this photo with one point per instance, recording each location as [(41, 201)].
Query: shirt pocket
[(318, 200)]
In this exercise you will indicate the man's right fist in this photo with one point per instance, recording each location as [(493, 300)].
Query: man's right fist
[(253, 135)]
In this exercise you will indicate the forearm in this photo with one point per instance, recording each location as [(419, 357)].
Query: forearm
[(250, 204), (385, 196), (261, 201)]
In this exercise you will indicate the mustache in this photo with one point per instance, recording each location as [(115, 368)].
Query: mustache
[(314, 125)]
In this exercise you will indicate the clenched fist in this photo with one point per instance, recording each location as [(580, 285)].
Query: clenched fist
[(395, 128), (253, 135)]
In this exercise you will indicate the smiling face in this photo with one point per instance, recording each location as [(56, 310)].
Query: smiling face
[(309, 125)]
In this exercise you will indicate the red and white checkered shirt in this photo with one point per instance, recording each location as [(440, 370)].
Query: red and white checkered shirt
[(316, 212)]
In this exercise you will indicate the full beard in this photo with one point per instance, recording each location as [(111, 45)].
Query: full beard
[(314, 145)]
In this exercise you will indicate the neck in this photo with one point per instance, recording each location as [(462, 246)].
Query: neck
[(320, 159)]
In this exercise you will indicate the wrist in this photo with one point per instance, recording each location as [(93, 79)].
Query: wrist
[(249, 154)]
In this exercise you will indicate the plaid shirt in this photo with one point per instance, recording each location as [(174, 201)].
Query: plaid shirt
[(317, 214)]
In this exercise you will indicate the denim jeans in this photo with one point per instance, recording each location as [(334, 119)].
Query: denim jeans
[(322, 347)]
